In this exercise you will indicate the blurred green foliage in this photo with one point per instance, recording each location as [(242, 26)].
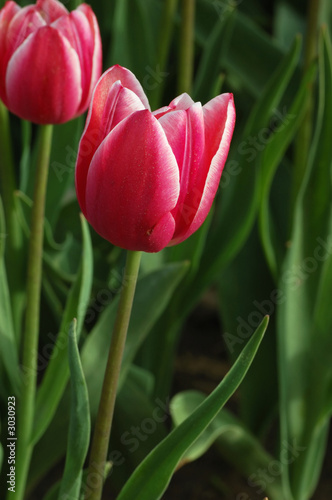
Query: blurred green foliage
[(266, 248)]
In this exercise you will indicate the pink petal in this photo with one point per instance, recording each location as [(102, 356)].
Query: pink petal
[(219, 121), (27, 20), (185, 134), (51, 10), (158, 113), (109, 106), (183, 101), (95, 67), (133, 184), (47, 92), (7, 13), (83, 35), (128, 80)]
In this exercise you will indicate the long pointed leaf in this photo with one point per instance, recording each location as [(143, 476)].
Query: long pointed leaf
[(151, 478), (79, 426), (8, 347), (302, 341)]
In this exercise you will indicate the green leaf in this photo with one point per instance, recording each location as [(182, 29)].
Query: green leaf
[(240, 181), (208, 71), (237, 445), (8, 347), (152, 294), (1, 456), (25, 160), (303, 341), (135, 411), (57, 372), (133, 41), (252, 287), (253, 61), (287, 21), (3, 233), (271, 158), (79, 426), (62, 166), (274, 90), (151, 478)]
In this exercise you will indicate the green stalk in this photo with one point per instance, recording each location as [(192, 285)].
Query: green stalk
[(165, 36), (304, 136), (14, 236), (98, 454), (31, 332), (186, 56)]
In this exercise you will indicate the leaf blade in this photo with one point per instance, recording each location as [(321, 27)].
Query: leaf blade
[(79, 425), (151, 478)]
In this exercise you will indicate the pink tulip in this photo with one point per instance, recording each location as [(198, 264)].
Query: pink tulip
[(50, 60), (146, 180)]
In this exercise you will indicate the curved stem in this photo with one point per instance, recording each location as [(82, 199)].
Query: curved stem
[(186, 57), (31, 332), (98, 454)]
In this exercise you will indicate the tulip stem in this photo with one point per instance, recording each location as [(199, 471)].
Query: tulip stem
[(186, 56), (98, 454), (31, 332)]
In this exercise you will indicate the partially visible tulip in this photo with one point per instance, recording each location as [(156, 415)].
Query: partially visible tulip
[(50, 60), (146, 180)]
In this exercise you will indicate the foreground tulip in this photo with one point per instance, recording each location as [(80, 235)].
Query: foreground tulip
[(50, 60), (146, 180)]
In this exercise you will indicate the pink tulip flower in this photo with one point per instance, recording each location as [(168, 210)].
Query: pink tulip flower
[(50, 60), (146, 180)]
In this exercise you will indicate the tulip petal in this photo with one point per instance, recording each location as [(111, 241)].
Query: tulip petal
[(109, 106), (7, 13), (96, 56), (185, 134), (133, 184), (51, 10), (27, 20), (44, 93), (219, 121), (83, 35), (128, 80), (182, 102)]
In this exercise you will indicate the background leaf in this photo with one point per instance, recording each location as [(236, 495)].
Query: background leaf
[(57, 373), (79, 427)]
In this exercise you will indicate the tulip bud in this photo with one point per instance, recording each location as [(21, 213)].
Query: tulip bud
[(146, 180), (50, 60)]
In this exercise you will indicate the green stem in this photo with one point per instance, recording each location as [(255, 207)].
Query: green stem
[(166, 28), (304, 135), (30, 338), (186, 56), (14, 236), (98, 454)]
